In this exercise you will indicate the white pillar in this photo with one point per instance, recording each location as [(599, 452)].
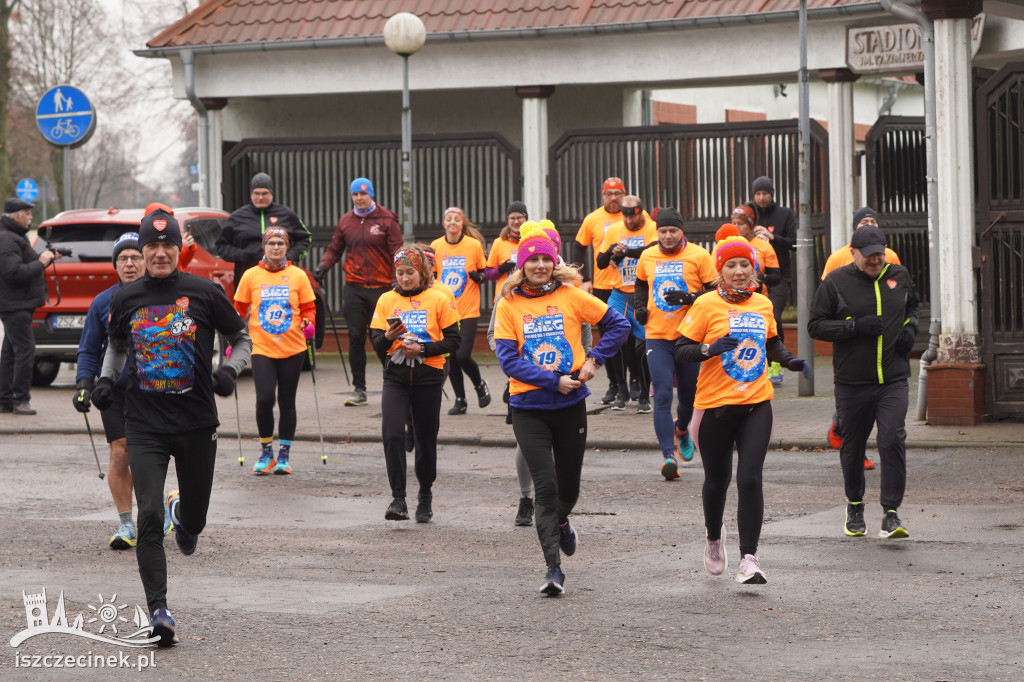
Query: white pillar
[(216, 170), (632, 107), (840, 157), (954, 165), (535, 149)]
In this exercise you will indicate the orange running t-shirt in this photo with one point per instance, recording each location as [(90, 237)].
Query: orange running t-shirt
[(424, 315), (738, 377), (624, 276), (452, 265), (274, 300), (501, 251), (766, 257), (844, 256), (591, 233), (547, 329), (687, 270)]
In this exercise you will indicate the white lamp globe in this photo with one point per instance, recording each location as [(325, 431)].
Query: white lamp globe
[(404, 33)]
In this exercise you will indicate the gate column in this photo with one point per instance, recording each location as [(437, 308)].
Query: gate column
[(840, 153), (535, 148), (214, 107), (958, 368)]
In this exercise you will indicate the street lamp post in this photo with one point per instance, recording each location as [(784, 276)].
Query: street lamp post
[(404, 34)]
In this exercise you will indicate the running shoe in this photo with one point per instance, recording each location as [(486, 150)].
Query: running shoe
[(716, 559), (553, 582), (868, 464), (424, 512), (855, 525), (775, 373), (892, 527), (620, 401), (186, 541), (483, 394), (750, 571), (124, 538), (567, 538), (266, 462), (608, 397), (684, 445), (634, 390), (524, 517), (167, 523), (670, 468), (282, 466), (163, 627), (459, 407), (397, 511), (357, 398), (835, 441), (644, 406)]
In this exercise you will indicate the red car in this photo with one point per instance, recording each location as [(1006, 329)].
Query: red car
[(74, 280)]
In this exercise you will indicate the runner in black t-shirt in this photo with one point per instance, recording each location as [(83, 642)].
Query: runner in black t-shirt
[(165, 324)]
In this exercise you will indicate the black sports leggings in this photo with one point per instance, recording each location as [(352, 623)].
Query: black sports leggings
[(462, 359), (424, 402), (715, 440), (195, 454), (553, 443), (280, 375)]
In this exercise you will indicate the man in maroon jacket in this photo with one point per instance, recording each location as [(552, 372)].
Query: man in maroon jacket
[(371, 235)]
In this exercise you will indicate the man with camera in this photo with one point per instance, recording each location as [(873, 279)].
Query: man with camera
[(22, 290)]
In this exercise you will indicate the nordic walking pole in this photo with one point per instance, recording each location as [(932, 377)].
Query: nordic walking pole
[(238, 416), (93, 443), (337, 341), (316, 400)]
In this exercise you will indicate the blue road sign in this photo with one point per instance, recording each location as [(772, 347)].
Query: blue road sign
[(65, 116), (27, 189)]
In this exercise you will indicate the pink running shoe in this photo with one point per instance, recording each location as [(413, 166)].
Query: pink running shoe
[(715, 558), (750, 571)]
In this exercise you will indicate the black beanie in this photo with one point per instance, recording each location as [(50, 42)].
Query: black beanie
[(763, 184), (669, 216), (862, 213), (517, 207), (261, 181), (159, 226), (128, 240)]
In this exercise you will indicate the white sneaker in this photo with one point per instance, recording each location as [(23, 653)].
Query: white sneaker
[(716, 560), (750, 571)]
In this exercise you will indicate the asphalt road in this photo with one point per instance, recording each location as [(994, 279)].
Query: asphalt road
[(299, 577)]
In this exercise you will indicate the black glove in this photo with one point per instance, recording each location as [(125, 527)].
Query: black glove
[(81, 398), (799, 365), (617, 257), (679, 297), (723, 345), (477, 276), (640, 314), (906, 339), (102, 396), (870, 325), (224, 381), (319, 273), (506, 267)]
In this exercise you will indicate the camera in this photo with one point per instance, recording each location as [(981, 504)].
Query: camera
[(62, 250)]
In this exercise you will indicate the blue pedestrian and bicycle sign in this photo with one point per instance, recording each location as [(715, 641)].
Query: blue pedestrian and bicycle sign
[(27, 189), (65, 116)]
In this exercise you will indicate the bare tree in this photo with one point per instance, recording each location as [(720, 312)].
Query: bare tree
[(7, 8)]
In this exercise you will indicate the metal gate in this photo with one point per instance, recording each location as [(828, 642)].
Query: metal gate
[(999, 117)]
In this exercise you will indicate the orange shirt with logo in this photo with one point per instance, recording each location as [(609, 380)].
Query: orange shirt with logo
[(687, 270), (591, 233), (275, 300), (844, 256), (624, 274), (501, 251), (739, 376), (765, 253), (424, 315), (547, 329), (452, 265)]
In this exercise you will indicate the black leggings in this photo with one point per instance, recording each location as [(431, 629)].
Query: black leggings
[(462, 359), (280, 375), (195, 454), (633, 356), (714, 440), (358, 304), (423, 402), (553, 443)]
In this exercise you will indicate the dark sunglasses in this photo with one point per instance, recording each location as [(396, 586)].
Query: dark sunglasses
[(631, 210)]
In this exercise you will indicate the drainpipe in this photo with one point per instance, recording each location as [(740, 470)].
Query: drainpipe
[(905, 11), (188, 59)]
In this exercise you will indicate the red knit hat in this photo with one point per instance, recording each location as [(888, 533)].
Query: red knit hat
[(613, 183), (734, 247), (726, 230)]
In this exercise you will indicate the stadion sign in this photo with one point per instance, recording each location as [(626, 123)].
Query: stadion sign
[(897, 48)]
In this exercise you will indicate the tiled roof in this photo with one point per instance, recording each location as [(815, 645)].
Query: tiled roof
[(244, 21)]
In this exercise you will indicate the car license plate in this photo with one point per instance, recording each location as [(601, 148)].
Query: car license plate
[(68, 321)]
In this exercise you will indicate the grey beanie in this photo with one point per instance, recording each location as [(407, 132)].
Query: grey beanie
[(261, 181), (862, 213), (517, 207), (763, 184)]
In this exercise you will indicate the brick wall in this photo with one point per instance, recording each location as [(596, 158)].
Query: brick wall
[(956, 394)]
